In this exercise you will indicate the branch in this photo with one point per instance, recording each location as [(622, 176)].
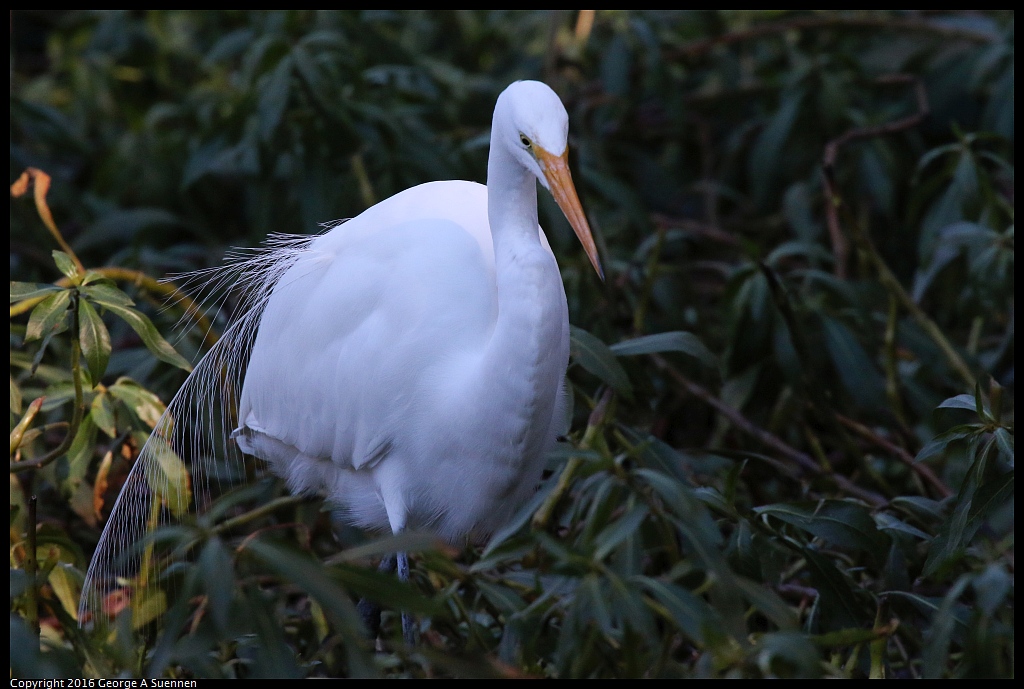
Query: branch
[(922, 470), (831, 22), (840, 246), (833, 202), (167, 290), (805, 462), (40, 187)]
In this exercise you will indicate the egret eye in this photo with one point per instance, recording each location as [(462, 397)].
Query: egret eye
[(525, 141)]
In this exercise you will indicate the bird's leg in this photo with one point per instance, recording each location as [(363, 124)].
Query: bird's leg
[(408, 623), (370, 611)]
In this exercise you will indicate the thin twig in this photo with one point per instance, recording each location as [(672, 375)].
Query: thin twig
[(802, 460), (833, 203), (31, 569), (696, 227), (830, 22), (258, 512), (840, 246), (922, 470)]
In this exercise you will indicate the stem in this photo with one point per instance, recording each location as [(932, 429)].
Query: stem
[(40, 187), (165, 289), (834, 201), (922, 470), (640, 314), (258, 512), (892, 381), (147, 555), (543, 514), (79, 411), (31, 568)]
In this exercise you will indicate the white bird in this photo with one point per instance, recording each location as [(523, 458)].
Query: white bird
[(409, 363)]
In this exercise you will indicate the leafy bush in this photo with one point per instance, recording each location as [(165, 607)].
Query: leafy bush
[(792, 448)]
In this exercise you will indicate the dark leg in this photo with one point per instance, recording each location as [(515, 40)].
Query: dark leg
[(408, 623), (370, 611)]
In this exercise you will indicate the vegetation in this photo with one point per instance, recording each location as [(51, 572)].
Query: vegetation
[(792, 448)]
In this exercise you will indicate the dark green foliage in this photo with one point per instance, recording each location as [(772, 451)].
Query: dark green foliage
[(792, 442)]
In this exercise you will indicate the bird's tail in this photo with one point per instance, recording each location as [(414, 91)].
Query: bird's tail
[(189, 453)]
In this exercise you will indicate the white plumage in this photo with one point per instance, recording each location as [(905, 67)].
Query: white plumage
[(409, 363)]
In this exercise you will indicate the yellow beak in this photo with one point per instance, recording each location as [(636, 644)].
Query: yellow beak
[(556, 170)]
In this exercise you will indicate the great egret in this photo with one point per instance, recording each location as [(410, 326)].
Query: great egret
[(408, 364)]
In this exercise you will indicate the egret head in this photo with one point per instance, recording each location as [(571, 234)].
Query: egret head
[(531, 121)]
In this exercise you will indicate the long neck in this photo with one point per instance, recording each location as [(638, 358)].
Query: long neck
[(524, 354), (511, 199)]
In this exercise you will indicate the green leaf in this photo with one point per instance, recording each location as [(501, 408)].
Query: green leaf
[(66, 265), (964, 401), (691, 614), (95, 340), (855, 368), (80, 454), (618, 531), (925, 509), (888, 522), (1005, 441), (840, 605), (657, 454), (992, 587), (144, 403), (15, 399), (767, 601), (66, 583), (788, 654), (47, 315), (21, 291), (148, 332), (273, 97), (764, 158), (959, 529), (166, 474), (595, 356), (990, 497), (105, 294), (310, 576), (102, 413), (938, 638), (677, 341), (841, 523), (216, 572), (937, 446)]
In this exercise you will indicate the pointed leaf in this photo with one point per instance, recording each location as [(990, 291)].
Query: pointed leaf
[(47, 314), (676, 341), (102, 413), (144, 403), (148, 332), (167, 475), (105, 295), (964, 401), (66, 265), (594, 355), (29, 290), (841, 523), (95, 340)]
